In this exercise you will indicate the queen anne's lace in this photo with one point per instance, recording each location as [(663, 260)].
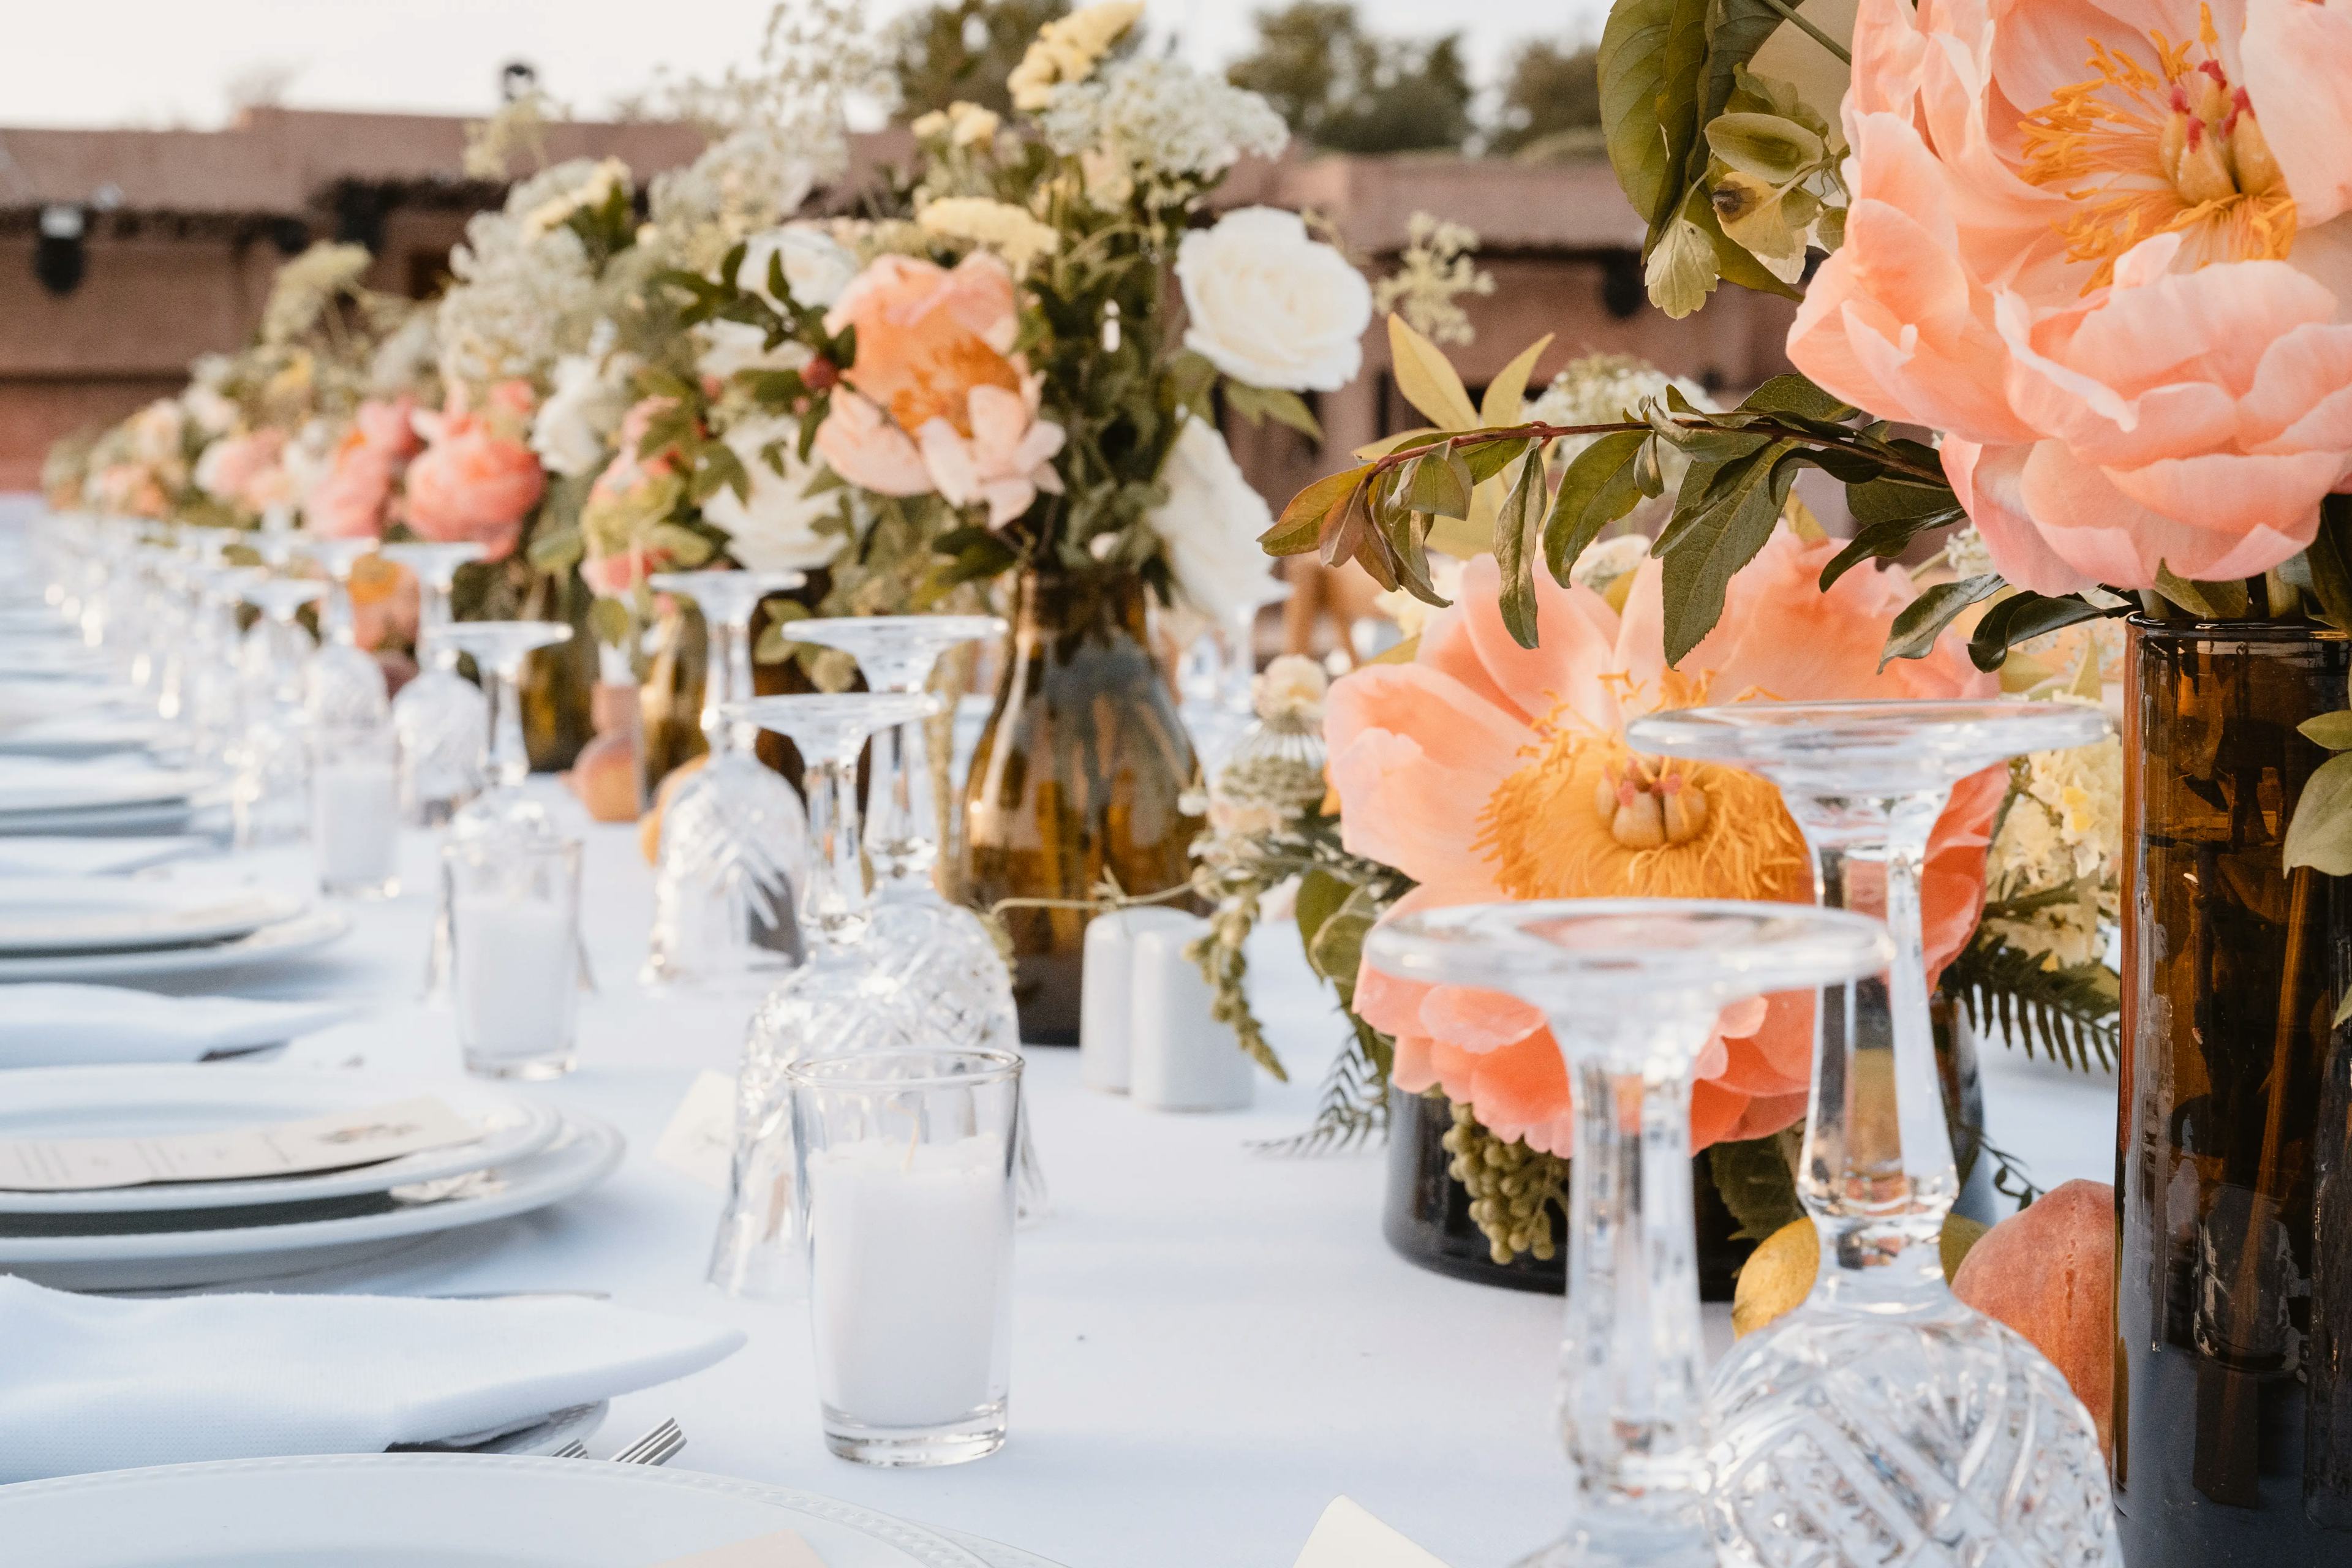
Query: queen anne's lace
[(1157, 125)]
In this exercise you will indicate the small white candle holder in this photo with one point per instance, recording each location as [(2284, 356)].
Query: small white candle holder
[(905, 1191), (1106, 994), (1184, 1058), (514, 918), (355, 811)]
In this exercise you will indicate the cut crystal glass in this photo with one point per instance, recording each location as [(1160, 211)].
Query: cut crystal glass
[(1631, 988), (442, 718), (1883, 1421)]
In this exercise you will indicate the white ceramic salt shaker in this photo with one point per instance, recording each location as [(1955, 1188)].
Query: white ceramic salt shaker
[(1106, 991), (1184, 1058)]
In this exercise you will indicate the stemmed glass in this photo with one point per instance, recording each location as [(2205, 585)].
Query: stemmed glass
[(1631, 988), (346, 687), (939, 951), (734, 837), (1882, 1411), (270, 791), (277, 648), (442, 718), (1217, 705), (840, 1000), (499, 650), (214, 707)]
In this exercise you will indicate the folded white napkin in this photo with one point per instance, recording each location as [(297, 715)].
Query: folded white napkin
[(92, 1383), (45, 1024), (1347, 1536), (55, 854)]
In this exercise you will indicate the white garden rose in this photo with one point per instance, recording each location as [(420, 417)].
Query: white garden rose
[(817, 267), (774, 529), (573, 427), (1270, 306), (1209, 526)]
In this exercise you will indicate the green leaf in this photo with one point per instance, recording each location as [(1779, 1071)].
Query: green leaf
[(1598, 489), (1892, 513), (1437, 484), (1650, 55), (1765, 146), (1757, 1181), (1682, 268), (1794, 394), (609, 621), (2320, 835), (1520, 508), (1923, 620), (2329, 562), (1305, 520), (559, 550), (1703, 548), (2226, 601), (2024, 616), (2333, 731), (1259, 404), (1491, 458)]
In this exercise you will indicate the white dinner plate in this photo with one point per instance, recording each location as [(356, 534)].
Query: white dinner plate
[(268, 1242), (997, 1555), (147, 1100), (105, 821), (406, 1511), (60, 915), (32, 789), (81, 735), (272, 944)]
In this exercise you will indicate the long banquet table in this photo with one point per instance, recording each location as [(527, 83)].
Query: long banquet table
[(1211, 1344)]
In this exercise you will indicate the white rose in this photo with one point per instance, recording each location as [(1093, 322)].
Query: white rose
[(1209, 526), (573, 427), (1271, 307), (774, 529), (817, 267)]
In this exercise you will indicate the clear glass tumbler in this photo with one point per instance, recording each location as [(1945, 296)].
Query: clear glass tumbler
[(514, 922), (904, 1160), (355, 811)]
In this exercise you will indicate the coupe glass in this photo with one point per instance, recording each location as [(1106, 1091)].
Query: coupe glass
[(734, 837), (499, 650), (840, 1000), (1631, 988), (269, 789), (443, 719), (1217, 676), (344, 687), (938, 951), (1882, 1420), (276, 648)]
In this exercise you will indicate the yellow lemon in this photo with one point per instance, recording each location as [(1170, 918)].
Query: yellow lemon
[(1779, 1274)]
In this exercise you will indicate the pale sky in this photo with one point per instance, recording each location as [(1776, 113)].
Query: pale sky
[(167, 62)]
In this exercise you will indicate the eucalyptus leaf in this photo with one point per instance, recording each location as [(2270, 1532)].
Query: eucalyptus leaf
[(1597, 490), (2320, 835), (1922, 621)]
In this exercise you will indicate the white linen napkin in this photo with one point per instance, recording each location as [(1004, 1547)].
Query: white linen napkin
[(56, 855), (94, 1384), (1348, 1536), (58, 1024)]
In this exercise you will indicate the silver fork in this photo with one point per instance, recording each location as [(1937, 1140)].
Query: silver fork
[(658, 1446)]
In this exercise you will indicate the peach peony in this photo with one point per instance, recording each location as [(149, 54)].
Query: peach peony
[(2102, 244), (1002, 454), (1486, 772), (383, 603), (245, 470), (476, 479), (351, 500)]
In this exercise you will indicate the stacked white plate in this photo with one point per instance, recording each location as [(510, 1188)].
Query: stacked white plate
[(106, 928), (116, 795), (169, 1235)]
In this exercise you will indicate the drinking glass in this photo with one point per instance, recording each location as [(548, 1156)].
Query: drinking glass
[(903, 1159), (442, 719), (1882, 1419), (734, 837), (215, 703), (269, 766), (939, 951), (344, 686), (355, 810), (1217, 675), (277, 650), (840, 1000), (514, 922), (499, 650), (1631, 988)]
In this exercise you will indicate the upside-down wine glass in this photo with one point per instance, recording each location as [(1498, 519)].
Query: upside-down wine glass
[(345, 689), (1631, 988), (270, 792), (734, 837), (938, 951), (442, 718), (839, 1000), (1882, 1420), (1223, 664)]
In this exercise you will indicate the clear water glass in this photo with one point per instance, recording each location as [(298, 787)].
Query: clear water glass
[(514, 907), (839, 1000), (355, 810), (1631, 988), (734, 837), (345, 687), (269, 765), (442, 719), (1883, 1421), (904, 1172)]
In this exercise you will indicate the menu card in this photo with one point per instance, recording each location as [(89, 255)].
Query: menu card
[(782, 1550), (699, 1142), (1348, 1537), (333, 1142)]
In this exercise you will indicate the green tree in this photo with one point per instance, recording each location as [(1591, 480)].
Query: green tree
[(963, 50), (1348, 90), (1551, 101)]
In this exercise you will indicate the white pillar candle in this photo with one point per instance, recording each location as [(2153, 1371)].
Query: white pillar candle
[(518, 979), (1184, 1058), (355, 823), (1106, 994), (910, 1294)]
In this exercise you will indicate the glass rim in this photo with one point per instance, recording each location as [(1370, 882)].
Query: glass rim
[(2234, 631), (835, 1069)]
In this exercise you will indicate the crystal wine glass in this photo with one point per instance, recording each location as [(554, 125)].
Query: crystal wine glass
[(442, 718), (734, 837), (1631, 988), (344, 688), (269, 791), (839, 1000), (1882, 1420), (499, 650), (1216, 707), (938, 951), (215, 704), (275, 649)]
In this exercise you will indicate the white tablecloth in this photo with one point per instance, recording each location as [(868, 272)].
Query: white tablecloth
[(1210, 1343)]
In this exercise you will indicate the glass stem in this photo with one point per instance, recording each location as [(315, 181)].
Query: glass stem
[(737, 644), (1877, 1174), (1633, 1415), (834, 907), (337, 623), (718, 686), (509, 759), (898, 834), (432, 615)]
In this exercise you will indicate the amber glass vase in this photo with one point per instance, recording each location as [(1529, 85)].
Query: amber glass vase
[(2233, 1278), (1080, 774)]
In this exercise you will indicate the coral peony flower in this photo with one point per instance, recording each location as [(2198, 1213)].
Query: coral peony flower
[(1000, 452), (2103, 246), (1488, 771), (861, 443), (383, 603), (244, 471), (351, 501), (476, 479)]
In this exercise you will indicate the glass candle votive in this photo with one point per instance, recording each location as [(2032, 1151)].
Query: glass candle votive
[(514, 921), (905, 1191), (355, 811)]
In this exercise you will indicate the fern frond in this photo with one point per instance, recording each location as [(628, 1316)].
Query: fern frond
[(2071, 1010)]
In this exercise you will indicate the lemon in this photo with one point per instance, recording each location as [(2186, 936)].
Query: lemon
[(1779, 1274)]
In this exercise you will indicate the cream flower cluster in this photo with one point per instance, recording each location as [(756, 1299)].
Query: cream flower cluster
[(960, 124), (525, 292), (1159, 125), (2063, 827), (306, 286), (1067, 50), (578, 192), (1001, 226), (1601, 388)]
